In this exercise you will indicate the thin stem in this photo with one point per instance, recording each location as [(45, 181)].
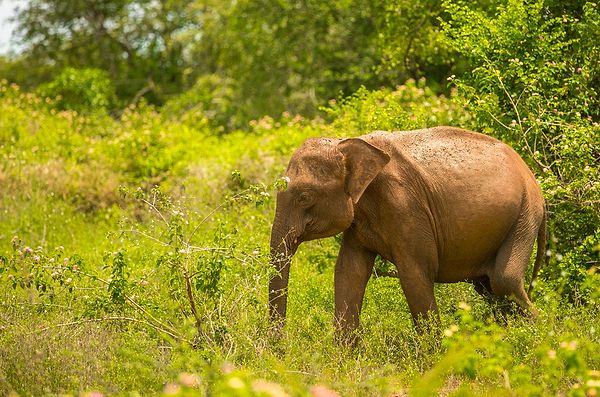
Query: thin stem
[(115, 318), (132, 303), (190, 295), (153, 207), (146, 236), (212, 212)]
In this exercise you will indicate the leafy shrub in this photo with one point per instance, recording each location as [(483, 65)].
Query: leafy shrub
[(581, 283), (146, 149), (83, 90), (210, 102), (410, 106), (483, 350)]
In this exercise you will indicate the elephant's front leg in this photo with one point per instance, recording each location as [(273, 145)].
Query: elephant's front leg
[(352, 271)]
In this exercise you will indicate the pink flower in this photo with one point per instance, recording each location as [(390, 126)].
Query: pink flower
[(171, 388), (323, 391), (262, 387), (189, 380)]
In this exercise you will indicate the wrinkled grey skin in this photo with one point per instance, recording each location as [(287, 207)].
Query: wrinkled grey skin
[(442, 204)]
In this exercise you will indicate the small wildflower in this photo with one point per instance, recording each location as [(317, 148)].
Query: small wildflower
[(552, 354), (93, 394), (591, 392), (323, 391), (27, 250), (227, 368), (559, 257), (236, 383), (262, 387), (36, 258), (189, 380), (593, 383), (451, 330), (171, 389), (513, 123), (75, 268), (572, 345), (464, 306)]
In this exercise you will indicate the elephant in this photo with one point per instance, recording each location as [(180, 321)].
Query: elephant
[(442, 204)]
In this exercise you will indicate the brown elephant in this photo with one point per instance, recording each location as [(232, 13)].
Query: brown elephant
[(442, 204)]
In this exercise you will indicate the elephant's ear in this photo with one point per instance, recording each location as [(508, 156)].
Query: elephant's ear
[(363, 162)]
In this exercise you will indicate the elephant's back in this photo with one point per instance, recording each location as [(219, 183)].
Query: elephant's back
[(478, 188), (450, 147), (455, 153)]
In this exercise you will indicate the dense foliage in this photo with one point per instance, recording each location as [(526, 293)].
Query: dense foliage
[(138, 165)]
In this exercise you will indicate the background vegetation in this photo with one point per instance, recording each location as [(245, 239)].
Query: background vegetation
[(142, 143)]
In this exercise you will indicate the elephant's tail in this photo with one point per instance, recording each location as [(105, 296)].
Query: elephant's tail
[(541, 250)]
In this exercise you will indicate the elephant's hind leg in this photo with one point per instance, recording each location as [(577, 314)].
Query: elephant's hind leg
[(512, 260)]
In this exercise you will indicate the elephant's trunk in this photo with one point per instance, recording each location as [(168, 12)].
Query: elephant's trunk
[(283, 245)]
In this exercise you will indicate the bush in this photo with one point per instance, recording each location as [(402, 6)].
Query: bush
[(210, 102), (410, 106), (83, 90)]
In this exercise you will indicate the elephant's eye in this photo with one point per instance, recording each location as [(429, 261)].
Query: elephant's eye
[(306, 199)]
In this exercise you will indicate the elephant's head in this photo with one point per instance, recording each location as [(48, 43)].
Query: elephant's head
[(326, 178)]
